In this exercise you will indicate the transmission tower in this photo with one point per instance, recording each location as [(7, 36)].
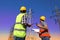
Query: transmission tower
[(56, 16)]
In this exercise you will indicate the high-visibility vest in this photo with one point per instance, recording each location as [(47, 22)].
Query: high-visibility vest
[(19, 29), (44, 32)]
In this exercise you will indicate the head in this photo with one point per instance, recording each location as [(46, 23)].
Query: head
[(42, 18), (23, 9)]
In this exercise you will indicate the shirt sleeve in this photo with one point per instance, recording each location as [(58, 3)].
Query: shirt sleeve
[(44, 23), (24, 19)]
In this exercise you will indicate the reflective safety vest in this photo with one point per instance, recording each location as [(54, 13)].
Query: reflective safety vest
[(19, 29), (44, 32)]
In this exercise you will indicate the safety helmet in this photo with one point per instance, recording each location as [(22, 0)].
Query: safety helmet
[(42, 18), (22, 8)]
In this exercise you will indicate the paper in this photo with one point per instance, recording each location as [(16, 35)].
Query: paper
[(36, 30)]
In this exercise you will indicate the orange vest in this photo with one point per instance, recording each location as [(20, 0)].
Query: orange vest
[(44, 33)]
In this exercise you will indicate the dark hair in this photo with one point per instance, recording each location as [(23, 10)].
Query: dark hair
[(24, 11)]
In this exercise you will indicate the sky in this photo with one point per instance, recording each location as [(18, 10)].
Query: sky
[(9, 9)]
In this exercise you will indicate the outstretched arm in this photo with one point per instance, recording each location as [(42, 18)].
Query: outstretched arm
[(24, 21), (40, 26)]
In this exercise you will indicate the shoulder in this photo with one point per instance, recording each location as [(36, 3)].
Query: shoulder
[(44, 23)]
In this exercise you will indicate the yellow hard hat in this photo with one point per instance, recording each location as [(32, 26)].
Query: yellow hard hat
[(42, 18), (22, 8)]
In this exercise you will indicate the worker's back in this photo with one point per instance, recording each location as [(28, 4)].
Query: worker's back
[(19, 28)]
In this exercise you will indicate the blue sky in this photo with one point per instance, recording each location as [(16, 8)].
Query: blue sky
[(9, 9)]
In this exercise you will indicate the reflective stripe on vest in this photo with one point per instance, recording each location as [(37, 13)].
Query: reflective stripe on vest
[(19, 26), (20, 29)]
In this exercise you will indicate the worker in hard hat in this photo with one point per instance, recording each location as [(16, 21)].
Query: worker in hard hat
[(19, 31), (44, 33)]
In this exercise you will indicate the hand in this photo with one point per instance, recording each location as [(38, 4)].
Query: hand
[(38, 32), (29, 25)]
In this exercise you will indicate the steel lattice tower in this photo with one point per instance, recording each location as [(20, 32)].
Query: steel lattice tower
[(56, 16)]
